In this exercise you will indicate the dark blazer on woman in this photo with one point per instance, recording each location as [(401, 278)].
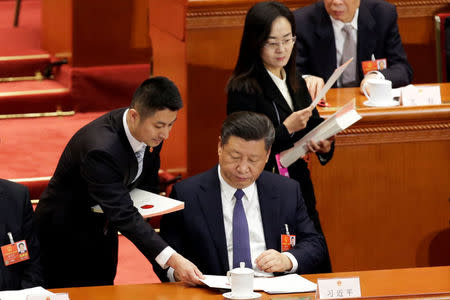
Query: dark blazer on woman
[(16, 216), (96, 167), (272, 104)]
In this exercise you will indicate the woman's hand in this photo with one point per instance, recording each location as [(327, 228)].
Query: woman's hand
[(298, 120), (323, 146)]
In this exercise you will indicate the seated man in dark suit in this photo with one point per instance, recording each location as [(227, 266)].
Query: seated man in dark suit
[(100, 165), (236, 212), (331, 31), (16, 218)]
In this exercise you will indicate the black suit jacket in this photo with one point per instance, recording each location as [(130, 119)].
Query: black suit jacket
[(271, 103), (16, 216), (198, 231), (377, 34), (96, 167)]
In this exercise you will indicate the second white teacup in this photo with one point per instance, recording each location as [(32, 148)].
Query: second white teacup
[(241, 282), (380, 91)]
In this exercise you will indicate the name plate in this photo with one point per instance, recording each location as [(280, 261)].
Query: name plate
[(338, 288), (420, 95)]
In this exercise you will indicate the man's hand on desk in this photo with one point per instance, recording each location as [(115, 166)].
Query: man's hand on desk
[(273, 261), (185, 270), (314, 84), (321, 146), (375, 75)]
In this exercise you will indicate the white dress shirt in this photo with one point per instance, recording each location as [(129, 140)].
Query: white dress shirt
[(250, 201), (339, 36), (282, 86), (164, 255)]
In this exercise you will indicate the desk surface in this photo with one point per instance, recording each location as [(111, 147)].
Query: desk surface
[(415, 281), (338, 97)]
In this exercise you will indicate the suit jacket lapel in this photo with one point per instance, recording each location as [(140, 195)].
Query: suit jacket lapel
[(210, 200), (366, 32), (327, 44), (117, 122), (271, 91), (270, 212)]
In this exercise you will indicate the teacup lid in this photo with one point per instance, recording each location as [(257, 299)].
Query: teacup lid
[(242, 270)]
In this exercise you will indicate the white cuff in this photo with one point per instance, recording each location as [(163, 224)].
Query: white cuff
[(379, 74), (164, 256), (304, 76), (170, 274), (293, 261)]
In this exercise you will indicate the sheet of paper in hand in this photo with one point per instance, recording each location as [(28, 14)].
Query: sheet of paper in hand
[(150, 204), (334, 124), (330, 83)]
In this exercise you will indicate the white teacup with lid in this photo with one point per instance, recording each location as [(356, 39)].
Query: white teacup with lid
[(380, 92), (241, 280)]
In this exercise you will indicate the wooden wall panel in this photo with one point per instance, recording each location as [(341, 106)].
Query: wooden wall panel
[(93, 33)]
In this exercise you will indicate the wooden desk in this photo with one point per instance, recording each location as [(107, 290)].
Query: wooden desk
[(383, 199), (373, 284)]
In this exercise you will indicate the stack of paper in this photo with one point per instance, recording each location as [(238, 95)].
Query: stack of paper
[(25, 294), (339, 121), (149, 204), (291, 283)]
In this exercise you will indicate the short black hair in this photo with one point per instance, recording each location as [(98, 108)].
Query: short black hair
[(156, 93), (249, 126)]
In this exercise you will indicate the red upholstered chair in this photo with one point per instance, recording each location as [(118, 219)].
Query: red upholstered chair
[(442, 29)]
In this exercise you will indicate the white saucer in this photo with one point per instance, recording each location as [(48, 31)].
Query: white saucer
[(254, 295), (382, 104)]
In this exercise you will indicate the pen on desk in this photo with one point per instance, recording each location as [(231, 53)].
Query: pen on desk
[(373, 57), (287, 229), (10, 237)]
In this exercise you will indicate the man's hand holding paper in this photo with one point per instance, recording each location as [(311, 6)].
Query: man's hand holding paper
[(314, 85), (185, 270)]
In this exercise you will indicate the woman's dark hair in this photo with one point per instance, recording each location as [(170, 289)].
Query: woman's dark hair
[(258, 24)]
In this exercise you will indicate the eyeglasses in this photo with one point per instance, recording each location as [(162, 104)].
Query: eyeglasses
[(287, 42)]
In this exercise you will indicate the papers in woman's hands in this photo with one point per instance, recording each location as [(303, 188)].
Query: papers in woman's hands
[(150, 204), (291, 283), (330, 83), (339, 121)]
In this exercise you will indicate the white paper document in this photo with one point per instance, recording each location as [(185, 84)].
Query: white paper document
[(150, 204), (339, 121), (22, 294), (291, 283), (330, 83)]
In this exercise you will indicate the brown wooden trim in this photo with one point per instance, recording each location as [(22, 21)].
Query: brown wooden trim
[(202, 14)]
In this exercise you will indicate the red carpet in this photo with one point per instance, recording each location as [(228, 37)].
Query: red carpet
[(31, 147), (26, 38), (133, 267)]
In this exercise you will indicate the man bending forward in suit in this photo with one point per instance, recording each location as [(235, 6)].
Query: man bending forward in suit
[(100, 165), (329, 32), (236, 212)]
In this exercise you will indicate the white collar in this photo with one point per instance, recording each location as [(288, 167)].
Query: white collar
[(229, 191), (135, 144), (278, 81), (339, 24)]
